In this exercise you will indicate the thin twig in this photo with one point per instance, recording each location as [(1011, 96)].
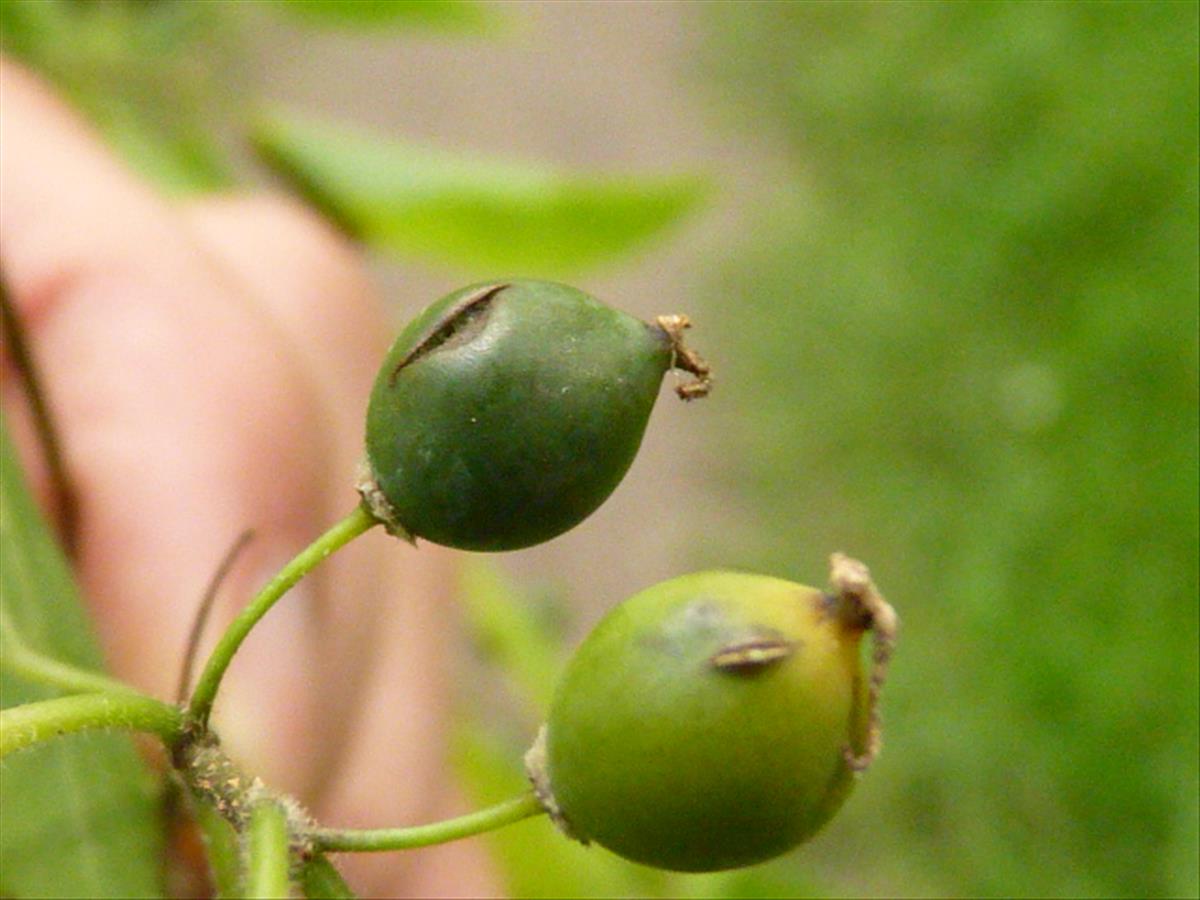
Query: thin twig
[(205, 609), (43, 420)]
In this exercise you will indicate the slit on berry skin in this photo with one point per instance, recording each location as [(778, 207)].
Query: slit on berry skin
[(459, 324), (752, 655)]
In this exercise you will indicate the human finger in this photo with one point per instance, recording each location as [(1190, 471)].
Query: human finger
[(180, 400)]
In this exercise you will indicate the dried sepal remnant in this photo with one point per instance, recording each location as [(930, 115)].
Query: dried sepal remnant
[(852, 584), (686, 359), (539, 778), (378, 506)]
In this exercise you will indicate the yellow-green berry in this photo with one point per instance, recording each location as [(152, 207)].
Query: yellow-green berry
[(712, 721)]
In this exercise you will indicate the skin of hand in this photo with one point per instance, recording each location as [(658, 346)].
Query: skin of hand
[(208, 365)]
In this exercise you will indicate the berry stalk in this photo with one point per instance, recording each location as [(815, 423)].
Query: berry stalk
[(200, 706), (332, 840)]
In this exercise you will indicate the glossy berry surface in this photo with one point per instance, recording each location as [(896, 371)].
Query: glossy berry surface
[(505, 414), (702, 725)]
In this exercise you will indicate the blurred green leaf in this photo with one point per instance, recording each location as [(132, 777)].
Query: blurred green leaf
[(509, 633), (320, 880), (223, 849), (439, 15), (770, 881), (81, 813), (967, 352), (534, 859), (480, 214), (179, 159), (146, 74)]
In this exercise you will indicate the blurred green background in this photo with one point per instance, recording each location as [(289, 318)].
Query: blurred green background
[(945, 261)]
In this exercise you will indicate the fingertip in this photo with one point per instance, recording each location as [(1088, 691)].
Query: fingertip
[(68, 207), (310, 279), (294, 259)]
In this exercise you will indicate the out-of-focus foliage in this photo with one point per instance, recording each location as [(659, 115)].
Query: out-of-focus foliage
[(522, 654), (85, 798), (433, 15), (150, 75), (163, 78), (963, 345), (471, 211), (163, 81)]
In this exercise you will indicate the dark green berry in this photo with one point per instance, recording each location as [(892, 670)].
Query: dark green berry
[(505, 414), (712, 721)]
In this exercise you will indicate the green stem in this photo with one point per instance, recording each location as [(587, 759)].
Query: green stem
[(334, 840), (32, 665), (355, 524), (267, 853), (321, 881), (21, 726)]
